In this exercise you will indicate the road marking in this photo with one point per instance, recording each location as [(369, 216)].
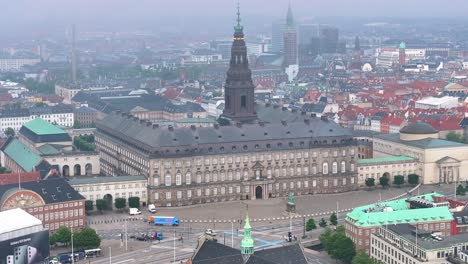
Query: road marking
[(123, 261)]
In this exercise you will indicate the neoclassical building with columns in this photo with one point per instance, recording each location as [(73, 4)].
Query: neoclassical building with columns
[(439, 160)]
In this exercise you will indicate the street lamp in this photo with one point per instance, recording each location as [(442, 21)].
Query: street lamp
[(110, 255), (73, 254)]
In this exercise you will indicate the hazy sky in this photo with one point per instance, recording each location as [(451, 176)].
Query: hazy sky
[(23, 14)]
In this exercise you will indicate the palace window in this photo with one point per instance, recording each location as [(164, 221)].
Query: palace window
[(168, 180), (188, 178), (178, 179), (334, 167), (325, 168), (343, 166)]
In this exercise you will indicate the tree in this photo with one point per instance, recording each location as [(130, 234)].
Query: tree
[(399, 180), (362, 258), (76, 124), (370, 182), (63, 235), (325, 237), (101, 205), (9, 132), (120, 203), (134, 202), (333, 219), (86, 238), (384, 181), (323, 223), (89, 205), (453, 136), (341, 248), (52, 239), (460, 190), (311, 225), (413, 179)]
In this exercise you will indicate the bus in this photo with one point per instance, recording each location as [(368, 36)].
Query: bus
[(92, 253), (166, 220)]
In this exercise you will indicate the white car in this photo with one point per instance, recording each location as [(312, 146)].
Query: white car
[(134, 211), (210, 232), (152, 208)]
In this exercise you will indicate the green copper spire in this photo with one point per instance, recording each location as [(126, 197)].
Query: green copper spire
[(238, 28), (247, 244), (289, 17)]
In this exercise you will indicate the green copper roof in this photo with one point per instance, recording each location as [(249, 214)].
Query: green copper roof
[(238, 28), (398, 214), (41, 127), (386, 159), (247, 243), (402, 45), (22, 155)]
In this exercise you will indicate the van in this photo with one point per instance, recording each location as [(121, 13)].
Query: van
[(152, 208), (134, 211)]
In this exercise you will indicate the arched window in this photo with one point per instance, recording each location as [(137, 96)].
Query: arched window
[(277, 172), (223, 176), (246, 174), (325, 168), (168, 180), (343, 166), (284, 172), (291, 171), (299, 171), (351, 167), (178, 178), (156, 180), (188, 178), (306, 170), (269, 173), (207, 176), (314, 169), (238, 175), (335, 167), (229, 175), (215, 176), (199, 178)]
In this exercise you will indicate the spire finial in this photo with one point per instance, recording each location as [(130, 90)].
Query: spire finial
[(238, 27)]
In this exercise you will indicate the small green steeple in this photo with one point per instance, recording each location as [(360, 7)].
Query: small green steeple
[(238, 28), (247, 244)]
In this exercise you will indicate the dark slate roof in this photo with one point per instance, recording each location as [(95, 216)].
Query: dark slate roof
[(418, 127), (426, 143), (126, 103), (157, 139), (216, 253), (314, 108), (54, 190)]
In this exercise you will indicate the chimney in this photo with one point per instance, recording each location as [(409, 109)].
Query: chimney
[(267, 104), (135, 118), (283, 122), (193, 127), (294, 110), (275, 106), (142, 121), (303, 113), (170, 127), (239, 124), (313, 115), (216, 126), (155, 126), (324, 118), (284, 108), (148, 123), (307, 121), (73, 55), (117, 111), (261, 123)]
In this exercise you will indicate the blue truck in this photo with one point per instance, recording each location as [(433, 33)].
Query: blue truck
[(166, 221)]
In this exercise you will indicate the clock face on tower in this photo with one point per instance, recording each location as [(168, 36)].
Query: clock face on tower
[(22, 199)]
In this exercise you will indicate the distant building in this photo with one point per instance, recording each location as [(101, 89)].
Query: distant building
[(329, 37), (306, 32), (445, 102), (61, 115), (277, 39), (366, 220), (390, 57), (388, 166), (85, 116), (402, 243), (53, 201), (290, 41), (110, 188), (17, 61)]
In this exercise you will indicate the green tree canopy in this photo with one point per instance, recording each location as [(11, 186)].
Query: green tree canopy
[(362, 258), (89, 205), (413, 179), (9, 132), (120, 203), (333, 219), (134, 202), (453, 136), (398, 180), (460, 190), (101, 205), (86, 238), (325, 237), (384, 181), (337, 245), (370, 182), (322, 222), (311, 225), (63, 235)]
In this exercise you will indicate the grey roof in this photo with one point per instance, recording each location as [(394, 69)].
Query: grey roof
[(156, 140), (425, 241), (418, 127), (104, 179), (84, 109), (426, 143), (314, 108), (213, 253)]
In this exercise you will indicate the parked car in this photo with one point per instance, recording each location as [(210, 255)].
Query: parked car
[(134, 211), (210, 232), (152, 208)]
